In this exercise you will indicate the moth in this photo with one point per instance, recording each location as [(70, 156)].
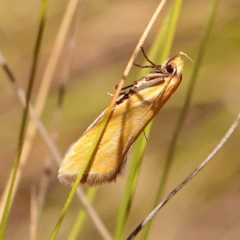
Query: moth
[(135, 107)]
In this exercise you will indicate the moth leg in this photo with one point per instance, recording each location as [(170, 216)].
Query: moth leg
[(145, 55), (138, 65), (149, 84), (129, 86), (145, 135)]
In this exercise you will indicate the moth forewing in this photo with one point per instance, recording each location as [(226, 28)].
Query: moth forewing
[(132, 112)]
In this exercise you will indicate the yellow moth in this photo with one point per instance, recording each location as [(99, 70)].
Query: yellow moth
[(136, 106)]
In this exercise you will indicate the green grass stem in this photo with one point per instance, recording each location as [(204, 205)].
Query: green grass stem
[(187, 101), (23, 127)]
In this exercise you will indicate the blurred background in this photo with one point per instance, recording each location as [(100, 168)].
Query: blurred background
[(105, 34)]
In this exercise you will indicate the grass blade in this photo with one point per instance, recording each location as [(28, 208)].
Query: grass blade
[(23, 127)]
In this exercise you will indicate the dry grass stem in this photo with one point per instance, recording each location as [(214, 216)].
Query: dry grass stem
[(191, 176)]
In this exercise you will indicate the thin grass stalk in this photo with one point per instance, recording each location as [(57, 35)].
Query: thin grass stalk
[(23, 127), (42, 95), (189, 178), (105, 120), (185, 108), (82, 216), (141, 143)]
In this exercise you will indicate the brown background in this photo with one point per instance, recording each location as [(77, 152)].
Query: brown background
[(208, 207)]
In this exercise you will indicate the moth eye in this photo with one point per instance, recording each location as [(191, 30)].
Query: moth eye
[(169, 68)]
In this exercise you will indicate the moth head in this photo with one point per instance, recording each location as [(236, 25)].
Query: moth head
[(175, 63)]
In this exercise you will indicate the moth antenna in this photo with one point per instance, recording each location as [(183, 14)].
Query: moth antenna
[(184, 54)]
